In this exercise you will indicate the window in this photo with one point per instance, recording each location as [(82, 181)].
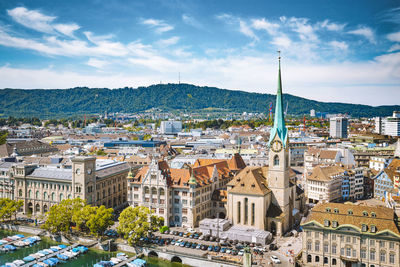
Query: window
[(348, 239), (246, 210), (316, 258), (333, 261), (333, 237), (308, 233), (326, 248), (348, 252), (391, 245), (350, 212), (326, 223), (20, 193), (342, 251), (238, 211), (325, 260), (309, 258), (328, 209), (373, 214), (364, 228), (365, 213), (372, 242), (383, 256), (372, 255), (391, 258), (381, 244), (336, 210), (334, 224), (363, 253), (317, 246), (373, 228), (253, 213), (309, 245), (334, 249), (276, 160)]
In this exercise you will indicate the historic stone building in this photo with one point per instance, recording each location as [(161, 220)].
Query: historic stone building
[(347, 235), (100, 183), (183, 197), (266, 197)]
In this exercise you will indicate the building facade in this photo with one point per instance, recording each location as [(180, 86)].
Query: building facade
[(345, 235), (101, 183), (338, 127)]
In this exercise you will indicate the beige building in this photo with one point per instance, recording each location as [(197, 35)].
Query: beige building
[(324, 184), (348, 235), (99, 183), (183, 197)]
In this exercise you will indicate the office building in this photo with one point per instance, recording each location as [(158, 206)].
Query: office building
[(338, 127)]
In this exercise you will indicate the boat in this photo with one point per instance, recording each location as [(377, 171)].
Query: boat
[(10, 247), (62, 246), (55, 248), (104, 264), (63, 257), (115, 260), (28, 258), (138, 263), (18, 262), (9, 264)]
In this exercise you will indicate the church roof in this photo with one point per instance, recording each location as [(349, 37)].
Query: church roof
[(279, 120), (251, 181)]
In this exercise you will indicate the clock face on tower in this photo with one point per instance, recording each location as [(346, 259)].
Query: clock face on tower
[(276, 146)]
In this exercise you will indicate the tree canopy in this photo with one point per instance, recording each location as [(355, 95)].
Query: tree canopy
[(137, 222), (9, 208)]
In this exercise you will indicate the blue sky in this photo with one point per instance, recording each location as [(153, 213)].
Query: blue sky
[(347, 51)]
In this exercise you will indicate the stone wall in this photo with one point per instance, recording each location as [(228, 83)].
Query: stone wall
[(21, 228)]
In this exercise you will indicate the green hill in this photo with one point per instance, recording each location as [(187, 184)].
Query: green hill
[(69, 102)]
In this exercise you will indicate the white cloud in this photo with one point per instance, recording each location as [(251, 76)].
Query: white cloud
[(159, 25), (97, 63), (394, 37), (332, 26), (305, 30), (395, 47), (170, 41), (246, 30), (263, 24), (339, 45), (35, 20), (190, 20), (281, 41), (365, 32)]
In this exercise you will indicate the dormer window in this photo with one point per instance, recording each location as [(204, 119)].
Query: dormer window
[(350, 212), (326, 223), (336, 211), (364, 228), (373, 214), (373, 228), (328, 209), (365, 213), (334, 224)]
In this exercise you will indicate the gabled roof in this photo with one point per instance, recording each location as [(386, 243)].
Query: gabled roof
[(324, 173), (203, 162), (393, 169), (236, 162), (251, 181)]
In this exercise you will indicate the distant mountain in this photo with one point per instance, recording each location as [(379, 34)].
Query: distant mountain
[(83, 100)]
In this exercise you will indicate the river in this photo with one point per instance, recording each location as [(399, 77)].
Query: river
[(88, 259)]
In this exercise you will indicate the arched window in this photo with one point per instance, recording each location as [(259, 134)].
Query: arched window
[(30, 194), (45, 196), (309, 258), (146, 190), (316, 258), (37, 195), (246, 210), (154, 191), (176, 218), (61, 197), (184, 219), (161, 192), (20, 192), (53, 195), (276, 160), (333, 261), (253, 213), (69, 197), (238, 212), (37, 208)]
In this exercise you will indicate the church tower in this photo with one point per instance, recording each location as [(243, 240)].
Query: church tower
[(278, 172)]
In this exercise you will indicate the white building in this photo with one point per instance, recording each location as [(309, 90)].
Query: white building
[(378, 125), (379, 163), (391, 125), (312, 113), (170, 127), (338, 127), (324, 184)]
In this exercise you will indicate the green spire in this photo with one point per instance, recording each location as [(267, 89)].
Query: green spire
[(279, 120)]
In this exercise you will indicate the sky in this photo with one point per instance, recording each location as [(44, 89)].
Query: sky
[(332, 51)]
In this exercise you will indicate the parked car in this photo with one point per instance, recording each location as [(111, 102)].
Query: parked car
[(204, 247), (217, 248), (228, 251), (181, 234), (201, 237), (191, 230), (241, 252), (275, 259), (234, 252), (183, 243), (198, 246), (273, 247), (173, 242), (210, 248), (166, 232), (194, 245)]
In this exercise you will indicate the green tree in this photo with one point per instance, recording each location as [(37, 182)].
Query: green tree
[(9, 207), (81, 217), (138, 222), (100, 220), (3, 137), (59, 218)]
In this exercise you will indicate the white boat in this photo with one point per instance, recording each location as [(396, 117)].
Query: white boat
[(40, 254), (115, 260), (18, 262)]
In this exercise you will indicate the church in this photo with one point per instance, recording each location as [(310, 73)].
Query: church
[(267, 198)]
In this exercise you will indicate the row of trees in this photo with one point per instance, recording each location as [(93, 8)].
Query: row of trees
[(134, 222), (86, 218), (9, 208)]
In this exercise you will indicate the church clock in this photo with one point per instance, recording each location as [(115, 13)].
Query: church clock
[(276, 146)]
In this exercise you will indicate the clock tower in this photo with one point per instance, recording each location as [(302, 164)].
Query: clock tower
[(278, 171)]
